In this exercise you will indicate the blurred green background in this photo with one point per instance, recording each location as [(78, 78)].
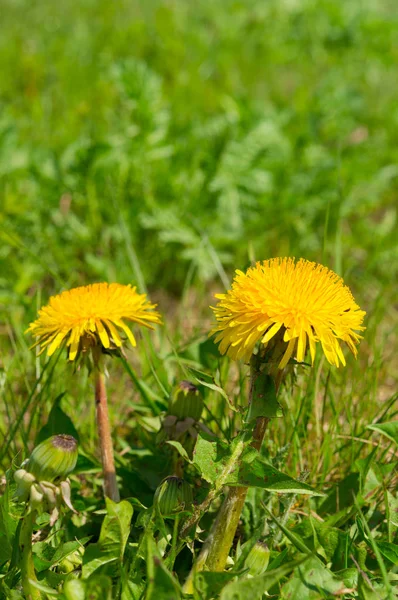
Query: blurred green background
[(166, 143)]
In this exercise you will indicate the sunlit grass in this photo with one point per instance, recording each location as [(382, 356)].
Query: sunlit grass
[(163, 145)]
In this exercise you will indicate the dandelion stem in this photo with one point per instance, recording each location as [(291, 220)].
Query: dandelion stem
[(219, 542), (216, 548), (104, 431), (28, 574)]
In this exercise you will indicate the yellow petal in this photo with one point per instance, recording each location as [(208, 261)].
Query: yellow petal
[(127, 331), (271, 332), (301, 346), (56, 342), (288, 354), (103, 334), (114, 333)]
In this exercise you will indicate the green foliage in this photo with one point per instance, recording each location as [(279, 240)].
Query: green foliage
[(256, 586), (390, 430), (97, 587), (312, 581), (254, 472), (264, 402), (58, 422), (109, 550), (167, 144)]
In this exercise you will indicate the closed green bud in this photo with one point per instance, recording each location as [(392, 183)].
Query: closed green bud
[(53, 458), (257, 559), (186, 401), (173, 496)]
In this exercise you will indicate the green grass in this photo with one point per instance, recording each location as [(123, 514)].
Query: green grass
[(166, 144)]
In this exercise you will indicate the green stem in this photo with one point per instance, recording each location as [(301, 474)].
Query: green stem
[(148, 531), (219, 484), (214, 553), (27, 568), (174, 541)]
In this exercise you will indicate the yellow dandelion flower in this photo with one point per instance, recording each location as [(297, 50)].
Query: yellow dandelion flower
[(303, 302), (92, 314)]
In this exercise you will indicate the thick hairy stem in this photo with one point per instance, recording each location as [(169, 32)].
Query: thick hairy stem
[(27, 568), (219, 542), (219, 484), (104, 431)]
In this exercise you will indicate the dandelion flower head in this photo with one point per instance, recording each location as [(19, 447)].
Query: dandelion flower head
[(303, 302), (90, 315)]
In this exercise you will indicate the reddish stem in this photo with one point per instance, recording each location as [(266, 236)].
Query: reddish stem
[(108, 464)]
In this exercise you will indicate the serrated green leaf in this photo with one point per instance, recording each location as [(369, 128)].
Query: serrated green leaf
[(163, 585), (68, 548), (74, 589), (180, 449), (312, 581), (113, 537), (219, 390), (278, 560), (48, 591), (255, 472), (389, 429), (46, 556), (348, 576), (389, 550), (209, 456), (8, 523), (254, 588), (58, 422), (371, 590), (292, 536), (131, 590), (208, 584), (264, 401), (99, 587), (392, 514)]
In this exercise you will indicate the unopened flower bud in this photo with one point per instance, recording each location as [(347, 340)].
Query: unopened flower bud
[(257, 559), (24, 481), (53, 458), (186, 401), (173, 495)]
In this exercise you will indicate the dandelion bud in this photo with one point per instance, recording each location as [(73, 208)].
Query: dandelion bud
[(53, 458), (173, 495), (24, 481), (257, 559), (186, 401)]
